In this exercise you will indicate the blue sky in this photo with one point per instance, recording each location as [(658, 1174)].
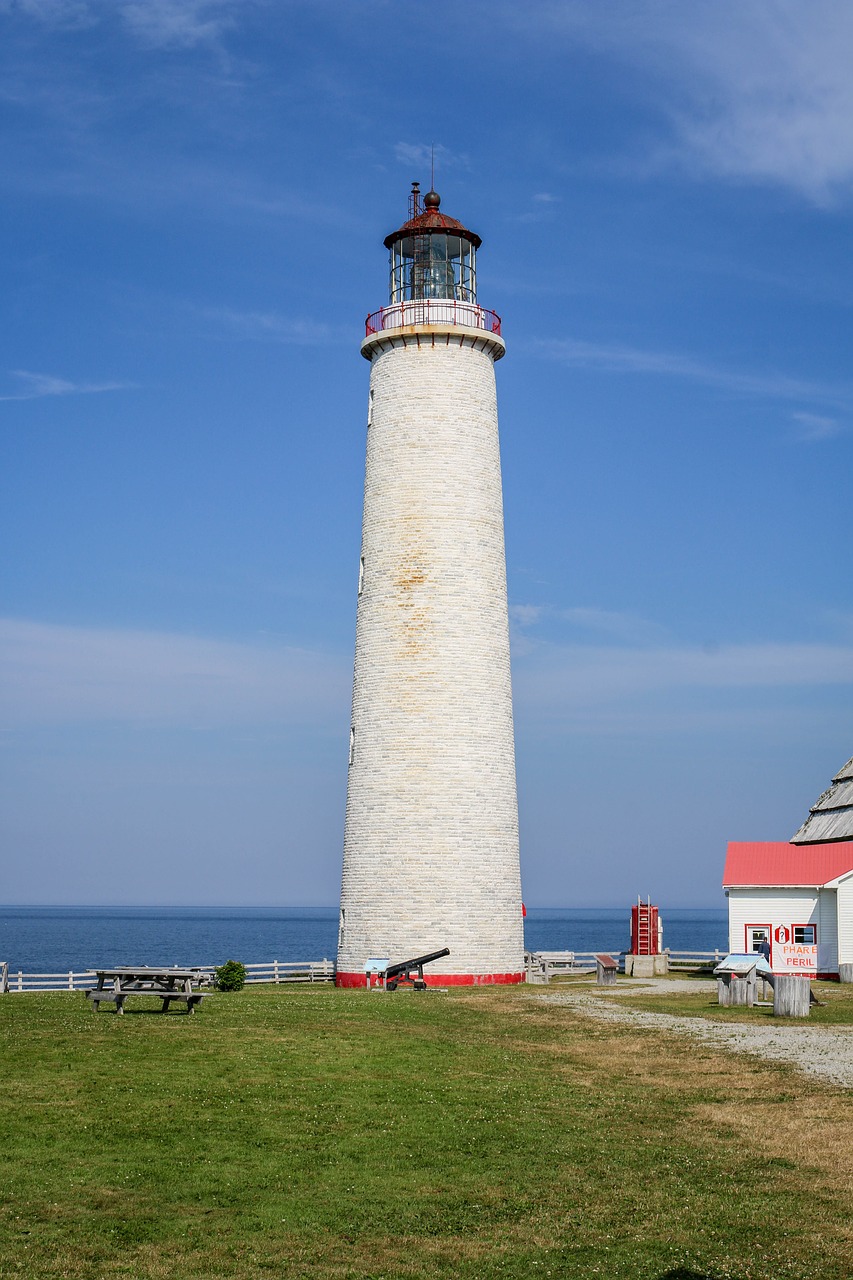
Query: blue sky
[(195, 194)]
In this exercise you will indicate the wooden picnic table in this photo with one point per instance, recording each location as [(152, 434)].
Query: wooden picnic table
[(115, 985)]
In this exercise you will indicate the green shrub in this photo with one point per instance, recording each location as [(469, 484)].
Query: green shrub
[(230, 976)]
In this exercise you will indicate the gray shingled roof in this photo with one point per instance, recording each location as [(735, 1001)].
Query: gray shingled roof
[(831, 817)]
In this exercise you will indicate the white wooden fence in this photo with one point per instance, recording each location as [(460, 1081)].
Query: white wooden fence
[(545, 964), (695, 959), (279, 971), (275, 971), (292, 971)]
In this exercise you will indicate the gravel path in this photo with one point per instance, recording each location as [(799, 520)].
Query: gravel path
[(820, 1051)]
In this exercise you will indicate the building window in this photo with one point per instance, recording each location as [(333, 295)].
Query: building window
[(805, 934), (370, 408), (351, 745), (756, 934), (361, 575)]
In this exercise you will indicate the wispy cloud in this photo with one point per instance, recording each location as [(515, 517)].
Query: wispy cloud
[(57, 675), (269, 326), (623, 626), (179, 24), (759, 92), (816, 426), (543, 208), (63, 14), (61, 675), (615, 358), (157, 24), (419, 155), (38, 385), (615, 687), (526, 615)]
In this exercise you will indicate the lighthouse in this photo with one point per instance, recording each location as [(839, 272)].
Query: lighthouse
[(431, 857)]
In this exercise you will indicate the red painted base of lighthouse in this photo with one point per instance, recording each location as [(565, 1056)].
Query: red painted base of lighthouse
[(441, 979)]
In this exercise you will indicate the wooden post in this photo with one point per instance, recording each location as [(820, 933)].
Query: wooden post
[(740, 991), (723, 990), (791, 996)]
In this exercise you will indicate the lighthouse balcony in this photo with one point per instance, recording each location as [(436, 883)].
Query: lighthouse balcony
[(432, 311)]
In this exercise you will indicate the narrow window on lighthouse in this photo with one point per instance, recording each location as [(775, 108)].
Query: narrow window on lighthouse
[(351, 745), (370, 408), (361, 575)]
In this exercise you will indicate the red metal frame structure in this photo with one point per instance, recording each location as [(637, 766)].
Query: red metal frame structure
[(644, 929), (432, 311)]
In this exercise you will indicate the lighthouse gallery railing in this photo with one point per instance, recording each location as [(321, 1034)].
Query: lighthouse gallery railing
[(400, 315)]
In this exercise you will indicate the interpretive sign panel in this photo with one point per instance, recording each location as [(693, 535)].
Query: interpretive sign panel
[(794, 949)]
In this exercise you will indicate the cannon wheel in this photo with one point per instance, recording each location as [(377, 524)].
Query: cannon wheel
[(391, 986)]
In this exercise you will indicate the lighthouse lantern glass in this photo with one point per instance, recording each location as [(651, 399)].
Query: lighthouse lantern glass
[(433, 266)]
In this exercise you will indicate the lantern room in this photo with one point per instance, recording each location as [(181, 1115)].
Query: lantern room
[(432, 255)]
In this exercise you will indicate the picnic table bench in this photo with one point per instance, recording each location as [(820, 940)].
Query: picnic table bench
[(541, 964), (606, 968), (168, 984)]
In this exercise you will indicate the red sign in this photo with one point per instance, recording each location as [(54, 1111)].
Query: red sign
[(782, 933)]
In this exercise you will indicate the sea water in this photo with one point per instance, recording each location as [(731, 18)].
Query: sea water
[(56, 939)]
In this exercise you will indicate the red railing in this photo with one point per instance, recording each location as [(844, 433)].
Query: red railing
[(400, 315)]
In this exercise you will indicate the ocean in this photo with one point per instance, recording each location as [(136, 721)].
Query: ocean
[(56, 939)]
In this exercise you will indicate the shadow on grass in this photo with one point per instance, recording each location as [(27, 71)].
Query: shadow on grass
[(682, 1273), (155, 1013)]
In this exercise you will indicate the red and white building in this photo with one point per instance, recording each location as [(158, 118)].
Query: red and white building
[(797, 897)]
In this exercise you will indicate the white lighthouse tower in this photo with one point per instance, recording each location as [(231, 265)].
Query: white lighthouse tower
[(431, 838)]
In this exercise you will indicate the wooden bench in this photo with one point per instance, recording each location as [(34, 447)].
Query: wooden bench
[(606, 969), (105, 995), (541, 964), (115, 985), (192, 998)]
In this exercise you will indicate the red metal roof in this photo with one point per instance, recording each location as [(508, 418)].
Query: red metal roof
[(430, 222), (770, 862)]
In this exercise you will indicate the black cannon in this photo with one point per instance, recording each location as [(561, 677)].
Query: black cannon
[(411, 972)]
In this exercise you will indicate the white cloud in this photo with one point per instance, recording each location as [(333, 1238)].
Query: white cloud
[(526, 615), (158, 24), (630, 628), (61, 675), (626, 627), (815, 426), (269, 326), (420, 155), (616, 358), (37, 385), (670, 685), (758, 92), (179, 24), (64, 675), (65, 14)]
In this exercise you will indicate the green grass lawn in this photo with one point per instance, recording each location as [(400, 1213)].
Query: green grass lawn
[(835, 1007), (303, 1131)]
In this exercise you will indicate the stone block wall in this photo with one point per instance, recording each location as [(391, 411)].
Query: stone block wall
[(431, 840)]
